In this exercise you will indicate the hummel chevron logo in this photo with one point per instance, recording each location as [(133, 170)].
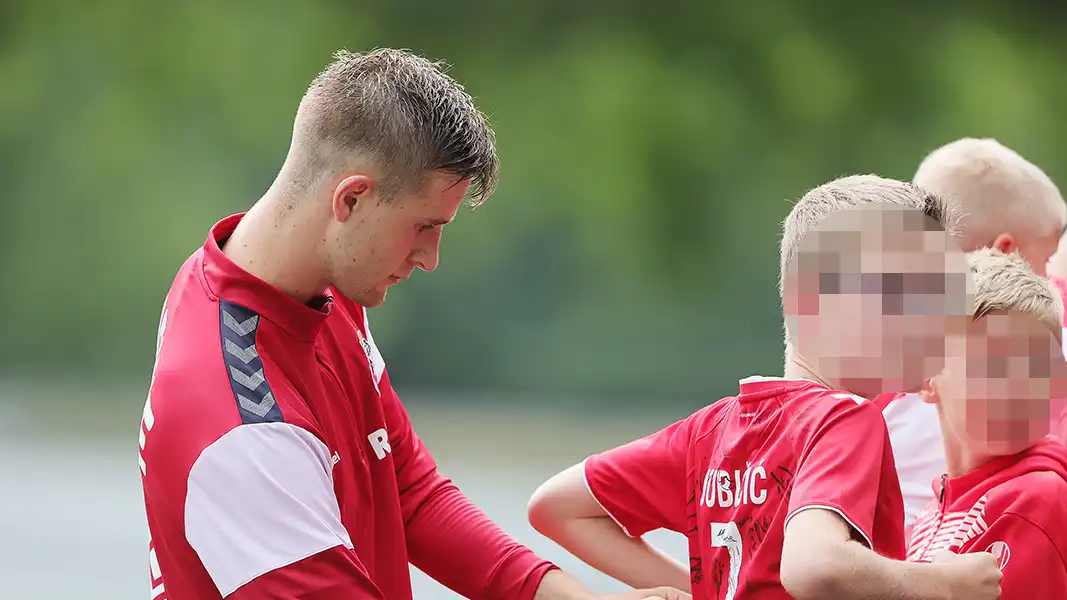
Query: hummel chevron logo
[(243, 328), (249, 381), (245, 355), (261, 408)]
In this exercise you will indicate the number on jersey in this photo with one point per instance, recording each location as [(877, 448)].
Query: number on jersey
[(726, 535)]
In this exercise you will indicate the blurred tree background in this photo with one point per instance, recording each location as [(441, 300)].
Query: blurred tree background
[(649, 151)]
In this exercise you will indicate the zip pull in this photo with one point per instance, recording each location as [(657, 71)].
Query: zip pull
[(944, 483)]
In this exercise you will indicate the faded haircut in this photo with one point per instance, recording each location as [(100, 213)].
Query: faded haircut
[(995, 191), (1005, 282), (847, 192), (401, 112)]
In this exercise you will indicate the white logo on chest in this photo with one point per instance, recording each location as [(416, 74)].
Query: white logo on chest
[(374, 358), (379, 442)]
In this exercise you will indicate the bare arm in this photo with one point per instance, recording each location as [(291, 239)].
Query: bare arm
[(564, 510), (820, 560)]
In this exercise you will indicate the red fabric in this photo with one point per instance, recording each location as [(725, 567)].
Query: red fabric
[(731, 475), (884, 400), (1014, 507), (331, 575), (324, 377)]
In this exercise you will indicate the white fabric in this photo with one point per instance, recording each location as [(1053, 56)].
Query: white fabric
[(918, 450), (260, 498)]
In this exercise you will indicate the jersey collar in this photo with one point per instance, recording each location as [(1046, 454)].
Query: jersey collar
[(230, 282)]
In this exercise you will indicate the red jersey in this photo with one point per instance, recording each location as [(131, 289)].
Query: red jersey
[(1014, 507), (277, 461), (732, 475)]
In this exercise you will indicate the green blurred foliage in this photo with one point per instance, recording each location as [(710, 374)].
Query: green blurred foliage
[(649, 152)]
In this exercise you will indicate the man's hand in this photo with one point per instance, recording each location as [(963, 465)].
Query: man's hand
[(974, 576), (658, 593)]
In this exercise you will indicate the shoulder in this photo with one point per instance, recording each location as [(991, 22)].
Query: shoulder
[(817, 404), (209, 379), (261, 497), (1039, 496)]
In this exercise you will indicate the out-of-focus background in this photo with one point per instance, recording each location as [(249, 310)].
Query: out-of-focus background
[(623, 276)]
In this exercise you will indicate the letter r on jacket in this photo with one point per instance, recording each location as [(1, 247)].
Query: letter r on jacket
[(379, 440)]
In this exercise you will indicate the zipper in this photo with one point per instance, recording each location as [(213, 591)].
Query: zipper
[(940, 514)]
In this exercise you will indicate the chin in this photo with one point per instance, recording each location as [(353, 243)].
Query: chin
[(367, 298)]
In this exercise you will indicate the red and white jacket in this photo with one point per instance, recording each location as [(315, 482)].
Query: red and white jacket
[(278, 462), (1014, 507)]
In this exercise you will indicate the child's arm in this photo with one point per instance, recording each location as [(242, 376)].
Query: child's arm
[(842, 505), (564, 510), (1032, 565), (820, 560), (600, 509)]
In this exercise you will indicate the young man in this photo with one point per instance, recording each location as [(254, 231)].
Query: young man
[(1005, 491), (785, 489), (276, 459), (1007, 203)]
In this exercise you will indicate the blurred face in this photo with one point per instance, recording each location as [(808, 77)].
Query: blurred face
[(371, 244), (879, 290), (996, 388)]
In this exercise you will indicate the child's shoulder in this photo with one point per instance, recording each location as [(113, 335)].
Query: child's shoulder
[(1038, 496)]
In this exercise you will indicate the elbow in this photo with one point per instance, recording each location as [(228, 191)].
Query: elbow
[(811, 575), (542, 512)]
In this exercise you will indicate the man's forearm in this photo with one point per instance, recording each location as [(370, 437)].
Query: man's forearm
[(557, 585), (458, 545), (854, 572), (601, 544)]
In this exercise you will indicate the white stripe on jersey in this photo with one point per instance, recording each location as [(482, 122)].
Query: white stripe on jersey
[(934, 532), (260, 498)]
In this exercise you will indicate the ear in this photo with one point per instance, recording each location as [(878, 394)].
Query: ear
[(1005, 243), (350, 194), (928, 393)]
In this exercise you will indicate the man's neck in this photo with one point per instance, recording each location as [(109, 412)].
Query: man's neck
[(278, 246)]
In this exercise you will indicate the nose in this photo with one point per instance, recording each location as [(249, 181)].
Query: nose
[(427, 255)]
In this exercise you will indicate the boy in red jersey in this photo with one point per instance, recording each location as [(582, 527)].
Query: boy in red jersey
[(1006, 488), (784, 490)]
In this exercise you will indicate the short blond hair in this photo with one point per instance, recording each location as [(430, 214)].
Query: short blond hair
[(1005, 282), (848, 192), (994, 189), (400, 111)]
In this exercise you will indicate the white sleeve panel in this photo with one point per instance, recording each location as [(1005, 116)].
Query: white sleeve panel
[(261, 498), (918, 450)]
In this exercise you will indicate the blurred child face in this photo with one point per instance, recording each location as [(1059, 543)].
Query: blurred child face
[(878, 291), (996, 387)]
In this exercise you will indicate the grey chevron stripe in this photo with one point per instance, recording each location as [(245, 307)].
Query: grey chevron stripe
[(249, 381), (244, 327), (245, 355), (261, 408)]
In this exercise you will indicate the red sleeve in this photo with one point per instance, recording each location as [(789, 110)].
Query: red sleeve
[(448, 537), (642, 485), (840, 467), (335, 574), (1032, 564)]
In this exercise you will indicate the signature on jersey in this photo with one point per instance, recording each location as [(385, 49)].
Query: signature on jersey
[(783, 480)]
